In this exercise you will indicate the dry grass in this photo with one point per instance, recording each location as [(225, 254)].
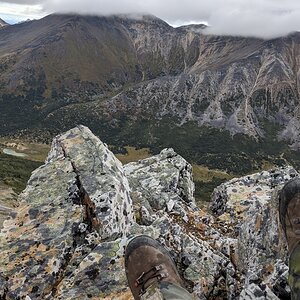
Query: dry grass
[(204, 174), (266, 165), (133, 154)]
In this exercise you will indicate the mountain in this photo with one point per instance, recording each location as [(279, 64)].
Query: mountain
[(194, 27), (75, 52), (3, 23), (66, 238), (134, 80)]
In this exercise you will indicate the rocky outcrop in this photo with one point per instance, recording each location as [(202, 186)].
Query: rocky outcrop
[(2, 23), (249, 205), (8, 201), (79, 197), (78, 211)]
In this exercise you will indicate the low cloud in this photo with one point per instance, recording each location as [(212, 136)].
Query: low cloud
[(25, 2), (268, 21), (260, 18), (14, 12)]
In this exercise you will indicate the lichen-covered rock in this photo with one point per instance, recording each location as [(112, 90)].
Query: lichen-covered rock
[(101, 174), (77, 199), (7, 202), (250, 205), (99, 274), (66, 240), (235, 196), (162, 180), (260, 292), (199, 262), (161, 183)]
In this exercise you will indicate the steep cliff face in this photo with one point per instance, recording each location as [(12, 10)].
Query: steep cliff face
[(66, 239), (156, 70), (232, 83)]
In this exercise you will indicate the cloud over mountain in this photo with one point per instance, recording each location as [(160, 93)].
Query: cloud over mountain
[(261, 18)]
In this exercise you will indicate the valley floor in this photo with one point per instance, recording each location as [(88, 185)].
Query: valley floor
[(18, 158)]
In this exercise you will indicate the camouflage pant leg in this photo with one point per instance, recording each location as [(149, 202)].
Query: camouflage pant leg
[(166, 291), (294, 275)]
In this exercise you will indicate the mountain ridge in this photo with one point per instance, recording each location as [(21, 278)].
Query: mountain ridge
[(3, 23), (68, 69)]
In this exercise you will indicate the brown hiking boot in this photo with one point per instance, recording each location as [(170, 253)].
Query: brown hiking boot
[(147, 262), (289, 212)]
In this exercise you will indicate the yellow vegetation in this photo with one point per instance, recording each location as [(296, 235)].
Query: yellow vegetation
[(204, 174), (133, 154)]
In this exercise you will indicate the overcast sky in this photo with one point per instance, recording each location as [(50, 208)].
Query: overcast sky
[(261, 18)]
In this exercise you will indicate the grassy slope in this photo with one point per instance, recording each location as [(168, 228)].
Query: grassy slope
[(206, 180), (216, 155), (15, 171), (132, 154), (205, 146)]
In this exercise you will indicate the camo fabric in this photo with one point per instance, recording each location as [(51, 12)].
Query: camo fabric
[(166, 291), (294, 276)]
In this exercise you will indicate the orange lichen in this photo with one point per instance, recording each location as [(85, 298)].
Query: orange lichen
[(116, 296)]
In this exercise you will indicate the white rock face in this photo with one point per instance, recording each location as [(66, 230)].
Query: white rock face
[(100, 174), (224, 82)]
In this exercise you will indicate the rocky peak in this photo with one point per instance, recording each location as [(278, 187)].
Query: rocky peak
[(3, 23), (66, 239), (146, 18), (193, 27)]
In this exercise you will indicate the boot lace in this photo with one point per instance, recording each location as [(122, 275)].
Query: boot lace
[(154, 273)]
